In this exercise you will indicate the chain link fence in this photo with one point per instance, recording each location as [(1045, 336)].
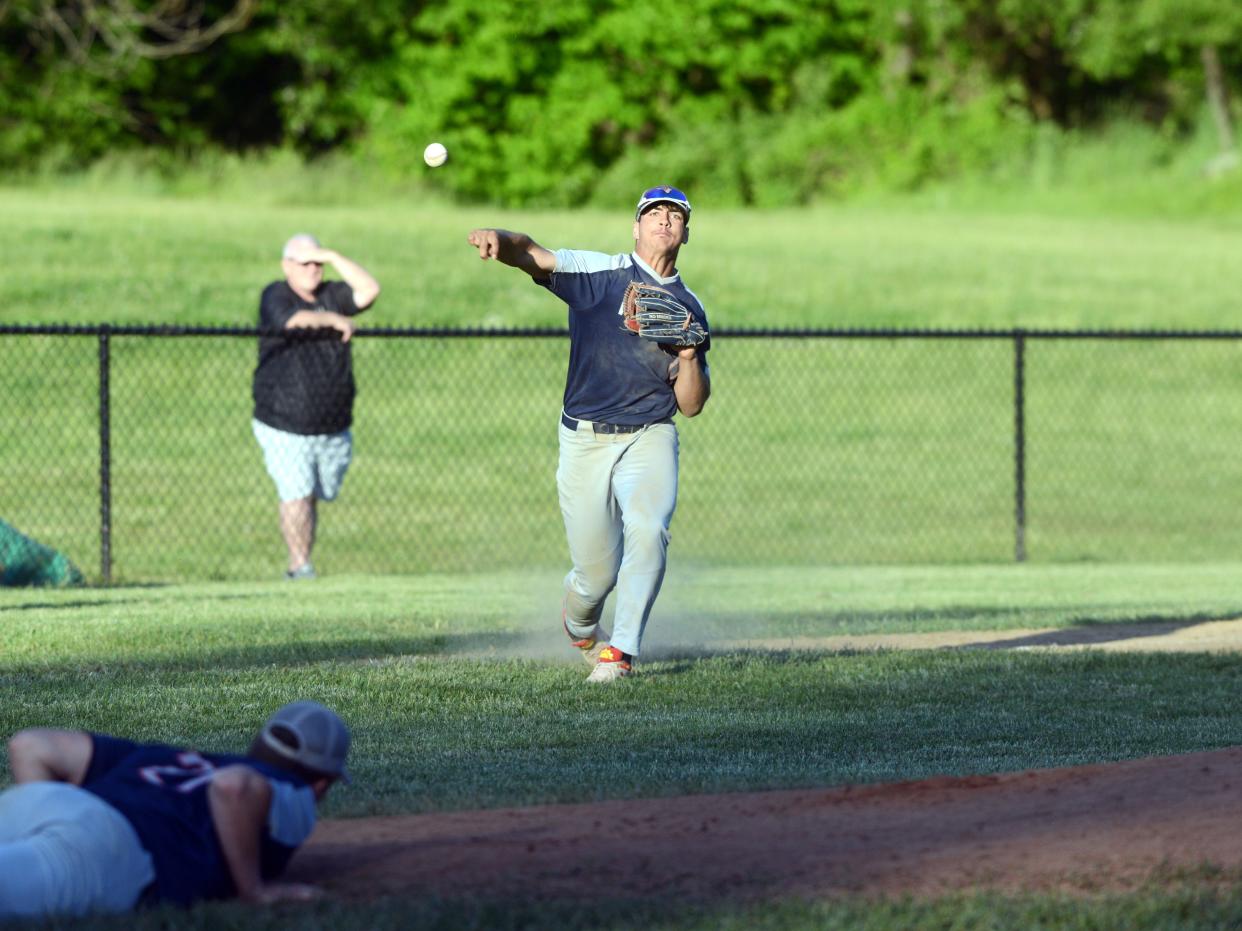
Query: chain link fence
[(130, 450)]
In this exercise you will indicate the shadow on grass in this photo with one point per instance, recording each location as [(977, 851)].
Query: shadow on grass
[(428, 912), (481, 646), (110, 602), (675, 662), (1084, 632), (849, 622), (1093, 632), (1190, 904), (65, 605)]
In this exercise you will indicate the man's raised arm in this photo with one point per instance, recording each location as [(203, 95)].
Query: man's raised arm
[(363, 284)]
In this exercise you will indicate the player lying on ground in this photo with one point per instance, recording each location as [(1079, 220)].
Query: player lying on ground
[(101, 824), (638, 355)]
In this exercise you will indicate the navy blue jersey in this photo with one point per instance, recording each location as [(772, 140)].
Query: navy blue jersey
[(162, 792), (614, 377)]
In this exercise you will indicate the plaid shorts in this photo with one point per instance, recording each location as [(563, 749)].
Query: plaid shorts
[(305, 466)]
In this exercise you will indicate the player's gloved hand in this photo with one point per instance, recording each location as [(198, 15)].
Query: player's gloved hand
[(655, 314)]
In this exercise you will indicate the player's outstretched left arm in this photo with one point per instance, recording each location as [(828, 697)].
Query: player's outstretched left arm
[(44, 754), (239, 799), (693, 385), (515, 249)]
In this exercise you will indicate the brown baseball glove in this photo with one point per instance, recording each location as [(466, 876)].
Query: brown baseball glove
[(653, 313)]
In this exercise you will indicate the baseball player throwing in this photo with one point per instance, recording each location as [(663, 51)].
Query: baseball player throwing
[(637, 355)]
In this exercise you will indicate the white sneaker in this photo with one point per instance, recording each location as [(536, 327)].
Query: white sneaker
[(610, 667)]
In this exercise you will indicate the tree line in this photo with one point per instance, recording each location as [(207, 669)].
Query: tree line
[(765, 102)]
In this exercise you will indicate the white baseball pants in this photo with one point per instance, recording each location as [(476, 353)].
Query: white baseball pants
[(617, 494), (64, 851)]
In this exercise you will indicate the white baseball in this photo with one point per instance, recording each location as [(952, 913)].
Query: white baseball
[(435, 155)]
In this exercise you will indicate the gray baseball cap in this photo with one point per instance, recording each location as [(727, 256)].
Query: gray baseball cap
[(311, 735)]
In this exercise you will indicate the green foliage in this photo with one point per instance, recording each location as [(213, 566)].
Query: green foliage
[(1071, 63), (880, 141), (774, 102), (534, 102), (63, 117)]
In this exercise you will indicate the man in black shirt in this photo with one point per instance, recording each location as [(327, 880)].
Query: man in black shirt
[(304, 387)]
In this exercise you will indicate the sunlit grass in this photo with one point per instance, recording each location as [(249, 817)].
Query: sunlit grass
[(84, 256)]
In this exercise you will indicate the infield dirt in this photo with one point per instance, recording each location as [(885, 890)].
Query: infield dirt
[(1087, 829), (1080, 830)]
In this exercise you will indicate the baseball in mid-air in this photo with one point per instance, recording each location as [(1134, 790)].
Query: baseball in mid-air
[(435, 154)]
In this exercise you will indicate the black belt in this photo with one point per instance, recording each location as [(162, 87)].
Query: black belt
[(607, 427)]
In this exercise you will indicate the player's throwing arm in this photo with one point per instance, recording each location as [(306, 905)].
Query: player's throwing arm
[(516, 249)]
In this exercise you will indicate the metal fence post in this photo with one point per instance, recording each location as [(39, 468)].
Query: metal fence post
[(105, 456), (1019, 445)]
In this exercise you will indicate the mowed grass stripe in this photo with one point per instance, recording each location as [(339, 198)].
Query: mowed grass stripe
[(450, 734), (82, 256), (463, 694), (476, 614)]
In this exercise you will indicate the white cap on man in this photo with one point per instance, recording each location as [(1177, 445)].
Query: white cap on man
[(296, 242)]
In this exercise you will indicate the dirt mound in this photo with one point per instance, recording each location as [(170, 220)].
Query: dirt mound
[(1088, 828)]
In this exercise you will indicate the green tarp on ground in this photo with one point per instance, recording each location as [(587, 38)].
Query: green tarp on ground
[(24, 561)]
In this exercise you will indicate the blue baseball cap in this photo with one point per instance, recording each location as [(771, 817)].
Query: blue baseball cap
[(662, 195)]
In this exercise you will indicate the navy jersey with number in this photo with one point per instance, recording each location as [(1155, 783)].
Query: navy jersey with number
[(614, 377), (162, 792)]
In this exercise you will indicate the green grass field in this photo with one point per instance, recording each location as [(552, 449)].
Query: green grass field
[(882, 473), (82, 256)]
